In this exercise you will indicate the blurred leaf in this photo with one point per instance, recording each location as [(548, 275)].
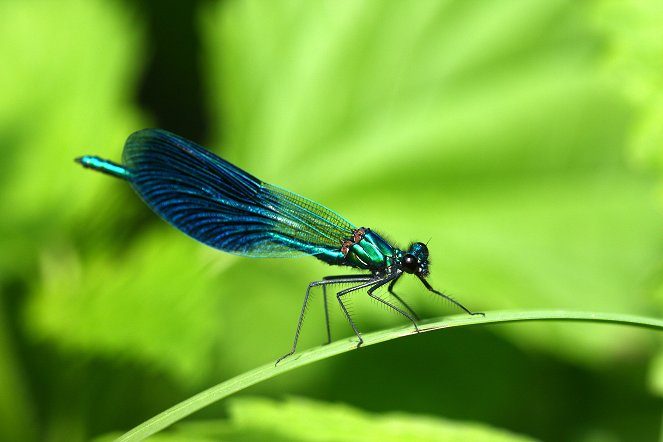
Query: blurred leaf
[(145, 307), (17, 413), (634, 62), (308, 420), (68, 90), (298, 419), (67, 80), (490, 130)]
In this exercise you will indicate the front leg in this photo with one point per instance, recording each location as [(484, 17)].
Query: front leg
[(448, 298), (399, 299), (371, 281), (393, 279)]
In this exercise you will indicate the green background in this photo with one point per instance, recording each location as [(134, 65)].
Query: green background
[(522, 139)]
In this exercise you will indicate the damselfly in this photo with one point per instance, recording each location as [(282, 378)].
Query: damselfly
[(229, 209)]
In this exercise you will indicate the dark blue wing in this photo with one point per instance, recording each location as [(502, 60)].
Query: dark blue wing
[(224, 207)]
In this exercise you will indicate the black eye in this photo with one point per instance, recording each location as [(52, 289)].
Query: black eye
[(410, 263)]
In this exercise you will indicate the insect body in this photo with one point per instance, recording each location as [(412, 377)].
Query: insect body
[(229, 209)]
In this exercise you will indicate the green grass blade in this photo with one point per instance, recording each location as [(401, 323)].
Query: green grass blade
[(267, 371)]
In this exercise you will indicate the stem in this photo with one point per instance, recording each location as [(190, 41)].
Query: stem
[(268, 371)]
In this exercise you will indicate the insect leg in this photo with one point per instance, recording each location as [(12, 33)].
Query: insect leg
[(392, 280), (336, 278), (399, 299), (370, 281), (324, 299), (448, 298), (324, 282)]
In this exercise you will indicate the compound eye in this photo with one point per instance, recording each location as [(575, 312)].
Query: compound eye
[(410, 263), (424, 248)]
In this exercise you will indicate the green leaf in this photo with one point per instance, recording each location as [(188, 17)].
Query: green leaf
[(165, 318), (60, 99), (250, 378)]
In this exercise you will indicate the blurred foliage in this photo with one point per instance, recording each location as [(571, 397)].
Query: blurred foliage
[(296, 419), (634, 64), (521, 138)]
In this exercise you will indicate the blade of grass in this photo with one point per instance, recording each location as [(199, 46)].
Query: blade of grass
[(268, 371)]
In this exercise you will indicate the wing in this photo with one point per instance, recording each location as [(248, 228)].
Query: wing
[(224, 207)]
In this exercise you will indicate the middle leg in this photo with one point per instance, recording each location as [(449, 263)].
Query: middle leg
[(392, 280)]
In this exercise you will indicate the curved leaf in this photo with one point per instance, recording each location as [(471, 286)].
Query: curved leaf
[(267, 371)]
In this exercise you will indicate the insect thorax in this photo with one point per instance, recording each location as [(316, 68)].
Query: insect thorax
[(367, 250)]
